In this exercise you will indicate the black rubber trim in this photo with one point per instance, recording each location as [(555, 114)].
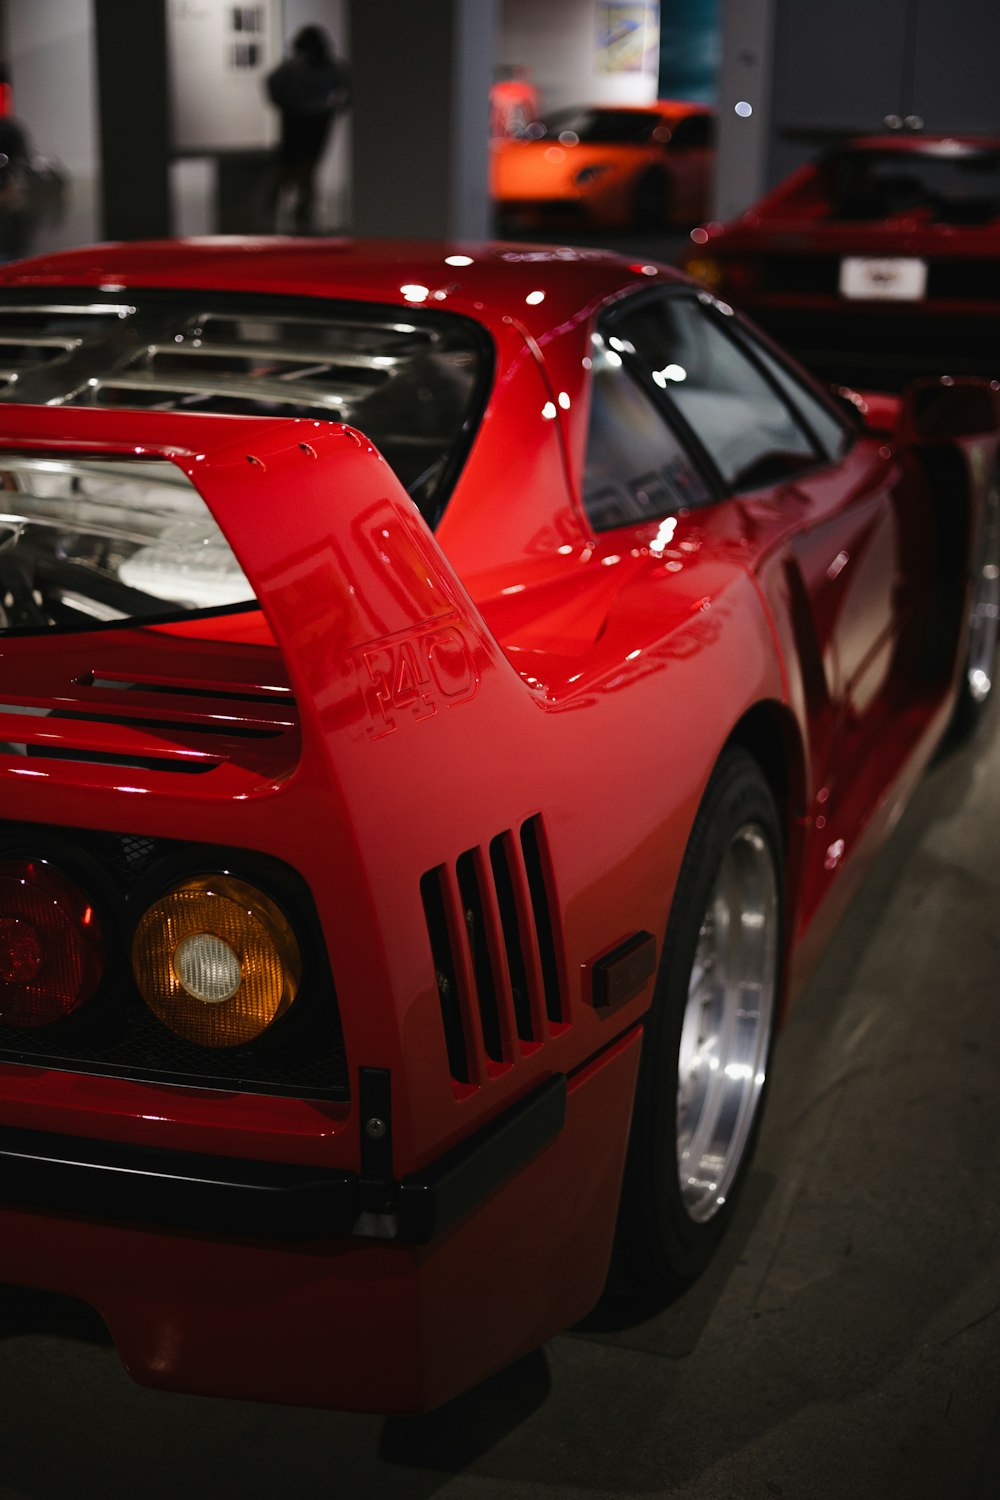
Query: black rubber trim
[(268, 1200), (433, 1200)]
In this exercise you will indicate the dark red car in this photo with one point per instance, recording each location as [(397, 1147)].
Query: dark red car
[(878, 262), (449, 692)]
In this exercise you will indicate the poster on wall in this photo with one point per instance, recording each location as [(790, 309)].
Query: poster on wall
[(219, 56), (627, 36)]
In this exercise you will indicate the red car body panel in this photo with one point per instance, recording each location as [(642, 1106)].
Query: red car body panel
[(423, 696), (781, 262)]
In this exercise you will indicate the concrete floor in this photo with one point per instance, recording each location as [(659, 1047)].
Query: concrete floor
[(845, 1344)]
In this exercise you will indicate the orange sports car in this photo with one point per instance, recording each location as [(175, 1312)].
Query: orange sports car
[(612, 166)]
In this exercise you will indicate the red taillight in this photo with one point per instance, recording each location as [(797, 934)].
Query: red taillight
[(51, 944)]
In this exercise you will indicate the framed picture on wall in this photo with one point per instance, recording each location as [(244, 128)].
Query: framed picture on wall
[(219, 53), (626, 31)]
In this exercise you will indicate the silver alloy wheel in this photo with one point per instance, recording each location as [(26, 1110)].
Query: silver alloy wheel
[(727, 1023), (984, 621)]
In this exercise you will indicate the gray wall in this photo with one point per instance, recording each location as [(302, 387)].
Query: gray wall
[(555, 39), (817, 71), (421, 116), (51, 55)]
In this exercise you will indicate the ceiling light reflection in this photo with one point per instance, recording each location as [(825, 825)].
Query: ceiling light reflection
[(664, 536), (669, 372)]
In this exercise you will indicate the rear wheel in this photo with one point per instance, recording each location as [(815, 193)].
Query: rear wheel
[(708, 1038)]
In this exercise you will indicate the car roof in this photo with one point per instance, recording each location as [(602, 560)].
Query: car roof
[(540, 285)]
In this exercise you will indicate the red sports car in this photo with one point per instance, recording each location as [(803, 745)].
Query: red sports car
[(878, 262), (608, 167), (448, 694)]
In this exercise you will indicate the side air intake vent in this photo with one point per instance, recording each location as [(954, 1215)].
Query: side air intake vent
[(492, 937)]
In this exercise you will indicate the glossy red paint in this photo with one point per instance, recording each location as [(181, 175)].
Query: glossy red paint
[(786, 260), (432, 693)]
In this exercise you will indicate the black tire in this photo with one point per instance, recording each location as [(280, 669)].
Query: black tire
[(975, 686), (669, 1230)]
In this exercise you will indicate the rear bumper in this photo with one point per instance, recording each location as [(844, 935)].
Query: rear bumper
[(271, 1200), (863, 343), (331, 1319)]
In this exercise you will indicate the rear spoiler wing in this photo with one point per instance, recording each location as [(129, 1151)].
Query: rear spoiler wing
[(372, 622)]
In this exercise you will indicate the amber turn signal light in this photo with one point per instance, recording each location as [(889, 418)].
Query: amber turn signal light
[(216, 960), (706, 269)]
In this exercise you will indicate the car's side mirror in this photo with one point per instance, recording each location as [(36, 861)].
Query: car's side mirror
[(939, 411)]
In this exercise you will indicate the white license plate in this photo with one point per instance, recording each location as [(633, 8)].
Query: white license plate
[(874, 278)]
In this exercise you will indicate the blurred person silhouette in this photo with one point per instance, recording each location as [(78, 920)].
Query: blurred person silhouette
[(309, 89)]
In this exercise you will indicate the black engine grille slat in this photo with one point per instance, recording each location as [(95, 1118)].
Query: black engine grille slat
[(435, 914), (497, 907), (501, 856), (125, 762), (535, 862), (482, 960), (220, 729)]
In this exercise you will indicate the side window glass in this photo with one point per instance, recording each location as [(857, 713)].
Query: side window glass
[(745, 425), (833, 435), (636, 467)]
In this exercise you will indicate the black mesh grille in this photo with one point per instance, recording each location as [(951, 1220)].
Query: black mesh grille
[(116, 1035), (133, 1044)]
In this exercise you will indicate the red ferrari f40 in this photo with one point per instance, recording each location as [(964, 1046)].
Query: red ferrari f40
[(448, 694)]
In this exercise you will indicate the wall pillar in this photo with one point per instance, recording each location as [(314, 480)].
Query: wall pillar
[(420, 116), (745, 81), (134, 135)]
